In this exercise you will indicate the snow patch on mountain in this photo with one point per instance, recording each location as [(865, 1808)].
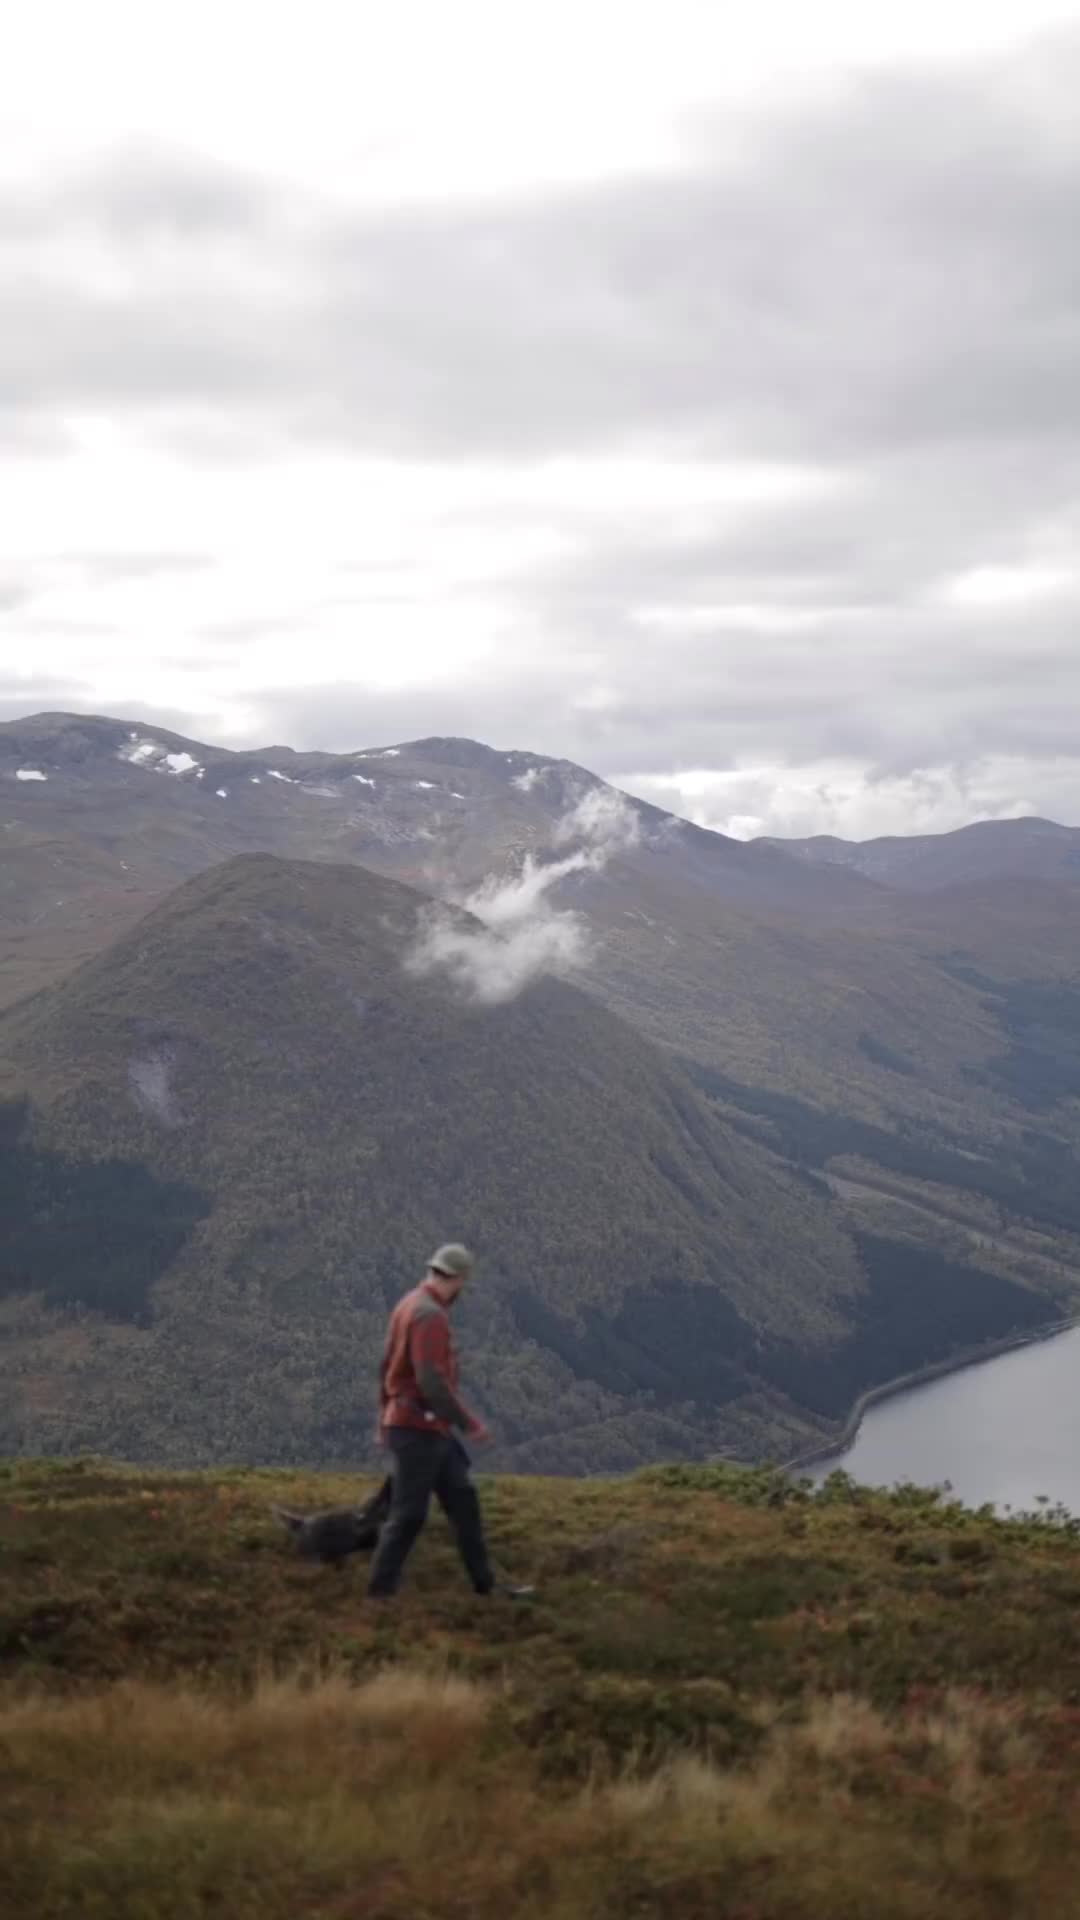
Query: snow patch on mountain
[(153, 755), (30, 773)]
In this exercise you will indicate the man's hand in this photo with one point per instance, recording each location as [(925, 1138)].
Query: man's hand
[(478, 1433)]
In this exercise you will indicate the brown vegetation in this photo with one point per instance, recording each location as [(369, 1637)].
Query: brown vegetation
[(728, 1701)]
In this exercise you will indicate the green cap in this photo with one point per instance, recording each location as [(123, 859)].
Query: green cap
[(453, 1262)]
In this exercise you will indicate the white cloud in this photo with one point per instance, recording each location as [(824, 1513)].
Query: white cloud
[(838, 798), (603, 819), (508, 903), (1007, 587), (522, 934), (421, 98), (497, 965)]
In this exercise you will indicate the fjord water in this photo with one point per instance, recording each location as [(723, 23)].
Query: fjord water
[(1006, 1432)]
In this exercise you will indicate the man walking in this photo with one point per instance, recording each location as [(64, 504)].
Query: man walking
[(420, 1418)]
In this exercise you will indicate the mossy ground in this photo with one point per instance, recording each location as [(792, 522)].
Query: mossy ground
[(726, 1698)]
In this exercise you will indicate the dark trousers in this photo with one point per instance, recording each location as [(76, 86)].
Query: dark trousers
[(426, 1464)]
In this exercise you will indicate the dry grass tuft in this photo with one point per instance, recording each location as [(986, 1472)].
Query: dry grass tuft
[(277, 1804), (169, 1725)]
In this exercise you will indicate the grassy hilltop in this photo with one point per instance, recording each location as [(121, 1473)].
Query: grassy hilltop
[(727, 1699)]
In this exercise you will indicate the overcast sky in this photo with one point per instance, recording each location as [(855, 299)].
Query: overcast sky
[(690, 391)]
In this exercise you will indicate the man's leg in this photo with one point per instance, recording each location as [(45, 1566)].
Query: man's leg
[(457, 1497), (417, 1458)]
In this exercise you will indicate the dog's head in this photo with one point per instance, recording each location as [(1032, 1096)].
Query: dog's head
[(294, 1522), (330, 1536)]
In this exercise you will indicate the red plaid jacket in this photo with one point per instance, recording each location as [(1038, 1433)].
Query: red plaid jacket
[(418, 1378)]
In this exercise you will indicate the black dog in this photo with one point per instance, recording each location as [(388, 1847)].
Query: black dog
[(331, 1536)]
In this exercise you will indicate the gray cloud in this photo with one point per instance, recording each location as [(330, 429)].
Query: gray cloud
[(143, 191), (707, 702), (24, 590), (881, 288), (41, 693), (897, 267), (893, 526), (889, 692)]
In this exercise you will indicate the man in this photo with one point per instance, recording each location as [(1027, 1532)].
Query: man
[(421, 1417)]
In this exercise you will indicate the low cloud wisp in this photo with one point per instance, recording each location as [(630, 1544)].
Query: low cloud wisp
[(521, 933)]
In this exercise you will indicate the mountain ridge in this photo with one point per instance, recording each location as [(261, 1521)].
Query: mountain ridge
[(983, 849), (124, 811)]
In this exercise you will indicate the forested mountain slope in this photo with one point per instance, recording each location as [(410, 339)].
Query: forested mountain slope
[(231, 1138), (908, 1063)]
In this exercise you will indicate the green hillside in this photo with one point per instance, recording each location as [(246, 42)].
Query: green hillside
[(727, 1700), (229, 1143), (924, 1058)]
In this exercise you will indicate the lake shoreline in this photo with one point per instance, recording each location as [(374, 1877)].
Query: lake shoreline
[(836, 1448)]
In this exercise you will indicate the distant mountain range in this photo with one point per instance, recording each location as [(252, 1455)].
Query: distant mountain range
[(787, 1127), (101, 817), (986, 850)]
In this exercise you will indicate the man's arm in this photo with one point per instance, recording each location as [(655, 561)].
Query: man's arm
[(429, 1347), (383, 1396), (383, 1367)]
